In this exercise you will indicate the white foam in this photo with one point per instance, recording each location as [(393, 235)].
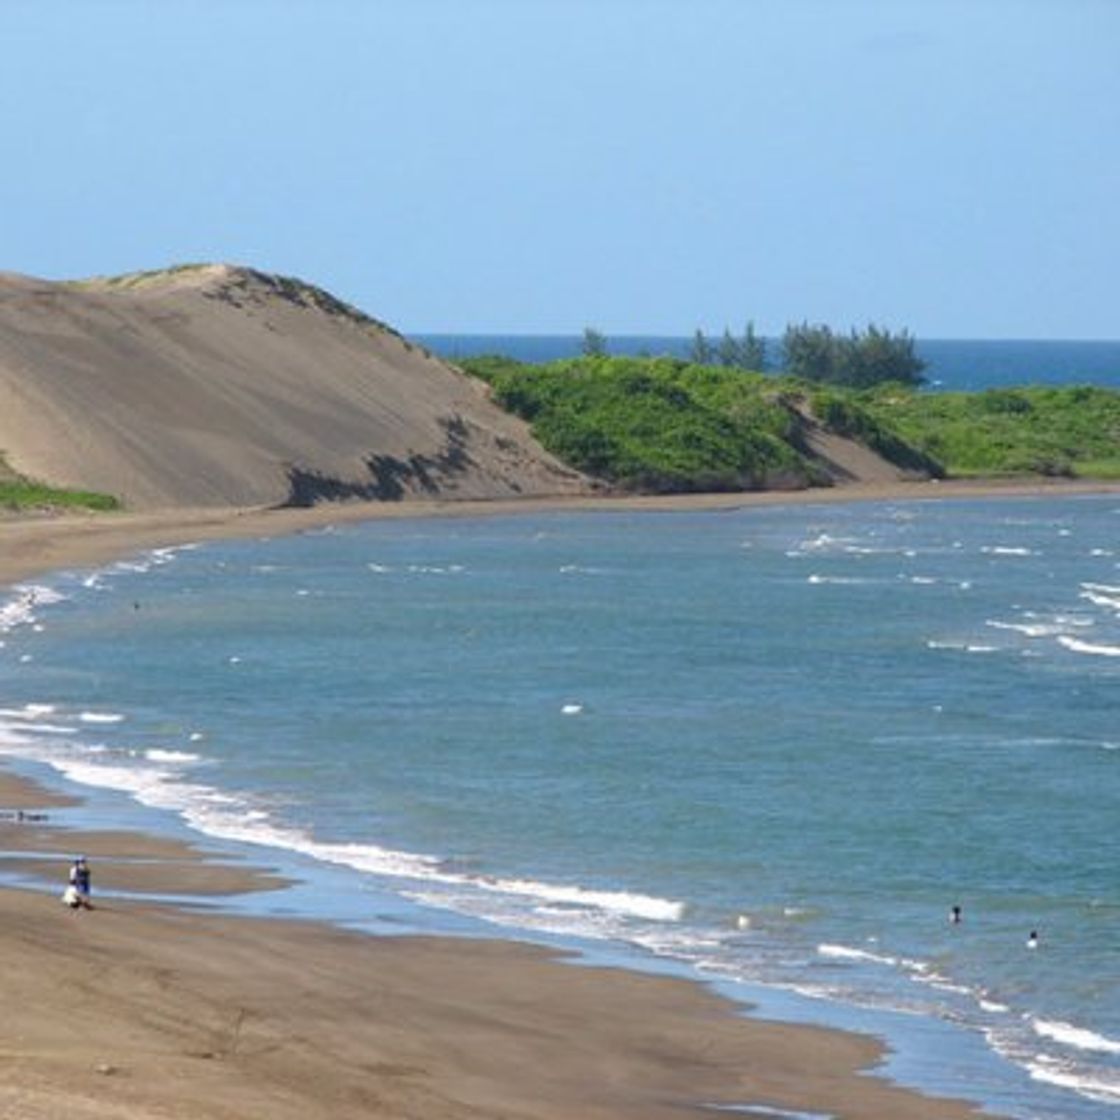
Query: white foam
[(1030, 629), (157, 754), (1076, 1038), (1075, 645), (847, 953), (101, 717), (1094, 1086), (1005, 550), (1101, 595), (20, 611), (228, 817), (28, 711), (572, 709), (54, 729), (993, 1007)]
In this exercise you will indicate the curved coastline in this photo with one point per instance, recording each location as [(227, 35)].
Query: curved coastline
[(140, 1005), (31, 545), (464, 1028)]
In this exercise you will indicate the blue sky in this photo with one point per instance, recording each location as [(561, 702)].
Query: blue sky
[(535, 166)]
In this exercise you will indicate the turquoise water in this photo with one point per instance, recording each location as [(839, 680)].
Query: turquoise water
[(970, 364), (769, 747)]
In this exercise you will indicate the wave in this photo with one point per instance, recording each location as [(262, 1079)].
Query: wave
[(28, 711), (1094, 1085), (225, 816), (1005, 550), (20, 610), (1075, 645), (158, 754), (1101, 595), (1029, 629), (847, 953), (1077, 1038)]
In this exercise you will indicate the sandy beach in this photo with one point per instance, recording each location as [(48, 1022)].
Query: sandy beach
[(47, 542), (138, 1009)]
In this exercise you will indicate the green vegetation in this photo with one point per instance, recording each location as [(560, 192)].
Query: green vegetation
[(594, 343), (1068, 431), (19, 493), (857, 360), (665, 426)]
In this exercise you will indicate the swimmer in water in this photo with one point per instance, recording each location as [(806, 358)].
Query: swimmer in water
[(955, 916), (1032, 941)]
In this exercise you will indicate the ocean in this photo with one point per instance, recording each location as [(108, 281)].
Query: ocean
[(952, 364), (766, 748)]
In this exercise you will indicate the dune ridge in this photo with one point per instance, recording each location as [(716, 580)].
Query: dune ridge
[(222, 386)]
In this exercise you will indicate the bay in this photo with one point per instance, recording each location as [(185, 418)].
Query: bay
[(768, 748)]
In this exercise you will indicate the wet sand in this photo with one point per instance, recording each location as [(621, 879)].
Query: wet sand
[(137, 1009), (31, 544)]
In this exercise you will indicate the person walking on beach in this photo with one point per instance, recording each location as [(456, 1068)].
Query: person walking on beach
[(77, 893)]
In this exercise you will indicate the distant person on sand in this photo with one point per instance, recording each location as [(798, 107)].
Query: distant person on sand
[(77, 893)]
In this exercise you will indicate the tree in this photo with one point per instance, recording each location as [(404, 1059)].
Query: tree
[(594, 343), (701, 353), (729, 353), (810, 352), (878, 356), (752, 350), (858, 360)]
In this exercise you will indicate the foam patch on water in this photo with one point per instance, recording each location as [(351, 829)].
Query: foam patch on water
[(1076, 1038), (158, 754), (20, 609), (1096, 1085), (1101, 595), (1093, 649)]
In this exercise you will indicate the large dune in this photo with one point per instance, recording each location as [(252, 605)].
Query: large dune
[(222, 386)]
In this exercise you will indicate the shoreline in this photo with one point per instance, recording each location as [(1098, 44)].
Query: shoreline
[(537, 1038), (139, 1006), (34, 544)]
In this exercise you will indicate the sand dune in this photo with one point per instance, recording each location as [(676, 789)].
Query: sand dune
[(212, 385)]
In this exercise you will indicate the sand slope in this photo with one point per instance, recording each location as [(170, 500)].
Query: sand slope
[(222, 386)]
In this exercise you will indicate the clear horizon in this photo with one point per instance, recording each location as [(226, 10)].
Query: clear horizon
[(946, 168)]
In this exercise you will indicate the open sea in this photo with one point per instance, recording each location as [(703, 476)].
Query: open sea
[(969, 364), (767, 748)]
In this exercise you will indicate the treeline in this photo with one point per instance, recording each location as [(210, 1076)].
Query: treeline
[(813, 352)]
